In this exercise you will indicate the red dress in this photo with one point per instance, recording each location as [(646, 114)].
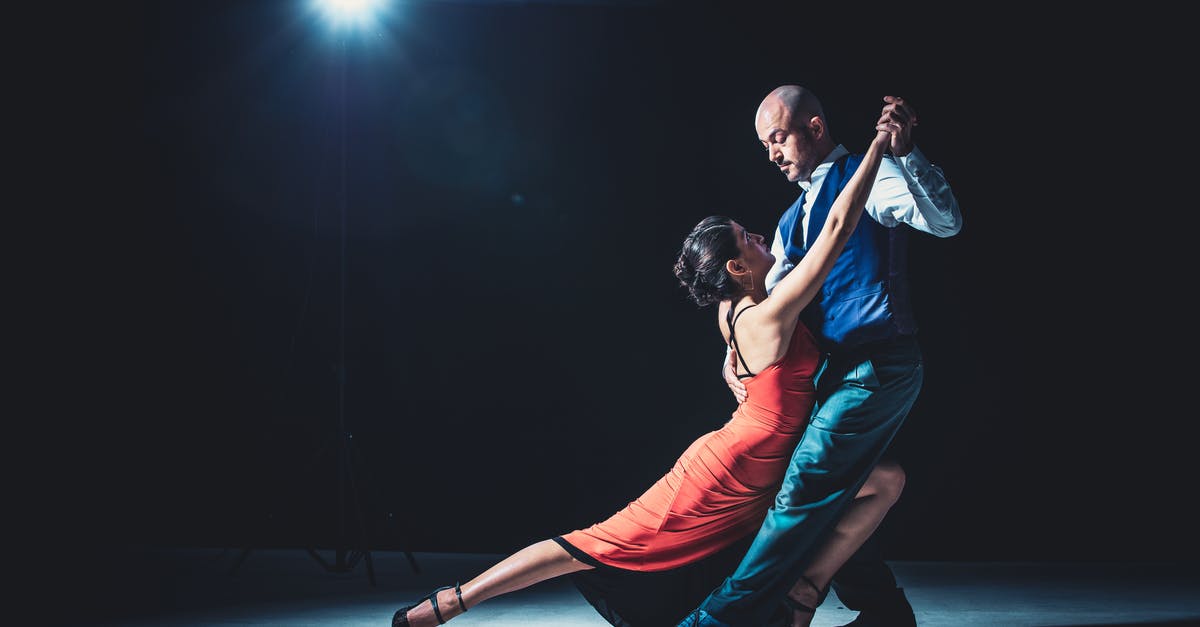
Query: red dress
[(719, 490)]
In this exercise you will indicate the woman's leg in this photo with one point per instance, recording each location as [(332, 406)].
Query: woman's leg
[(880, 491), (537, 562)]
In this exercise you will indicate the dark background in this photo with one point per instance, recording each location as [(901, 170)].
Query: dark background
[(519, 359)]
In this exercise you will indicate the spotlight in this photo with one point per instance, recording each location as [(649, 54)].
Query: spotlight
[(348, 12)]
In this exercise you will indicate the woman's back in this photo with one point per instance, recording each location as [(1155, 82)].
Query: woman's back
[(720, 488), (782, 388)]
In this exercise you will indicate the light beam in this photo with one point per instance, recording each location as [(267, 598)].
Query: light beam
[(349, 13)]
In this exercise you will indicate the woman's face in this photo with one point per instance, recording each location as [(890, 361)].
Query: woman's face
[(755, 251)]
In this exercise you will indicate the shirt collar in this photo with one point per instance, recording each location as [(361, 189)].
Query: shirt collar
[(823, 167)]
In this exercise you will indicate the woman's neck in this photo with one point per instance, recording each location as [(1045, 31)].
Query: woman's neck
[(749, 298)]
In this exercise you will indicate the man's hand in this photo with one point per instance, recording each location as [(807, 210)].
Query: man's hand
[(735, 385), (900, 118)]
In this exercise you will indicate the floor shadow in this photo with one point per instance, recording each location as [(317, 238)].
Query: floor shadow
[(1176, 622)]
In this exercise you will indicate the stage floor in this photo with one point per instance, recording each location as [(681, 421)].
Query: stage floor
[(197, 587)]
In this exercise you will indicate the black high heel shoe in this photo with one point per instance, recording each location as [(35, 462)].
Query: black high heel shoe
[(400, 618)]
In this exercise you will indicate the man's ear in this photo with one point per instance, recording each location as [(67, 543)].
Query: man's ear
[(817, 126)]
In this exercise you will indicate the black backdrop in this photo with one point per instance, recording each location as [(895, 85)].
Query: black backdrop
[(519, 359)]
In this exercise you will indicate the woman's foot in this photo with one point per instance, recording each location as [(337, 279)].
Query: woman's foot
[(438, 607)]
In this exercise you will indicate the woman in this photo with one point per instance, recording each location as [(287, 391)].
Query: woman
[(656, 559)]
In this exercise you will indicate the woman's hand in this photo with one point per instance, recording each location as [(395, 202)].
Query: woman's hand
[(735, 385), (898, 120)]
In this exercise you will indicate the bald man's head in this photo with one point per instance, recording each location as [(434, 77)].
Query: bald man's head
[(801, 104), (791, 126)]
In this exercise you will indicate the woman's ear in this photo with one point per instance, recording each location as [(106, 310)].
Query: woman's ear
[(735, 267)]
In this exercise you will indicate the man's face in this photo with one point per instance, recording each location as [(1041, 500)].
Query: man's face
[(790, 143)]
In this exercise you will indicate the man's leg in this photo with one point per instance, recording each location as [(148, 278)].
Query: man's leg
[(844, 440), (864, 514)]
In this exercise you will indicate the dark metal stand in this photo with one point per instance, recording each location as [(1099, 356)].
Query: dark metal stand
[(346, 558)]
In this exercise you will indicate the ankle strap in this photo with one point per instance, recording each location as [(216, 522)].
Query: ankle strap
[(810, 583), (458, 593), (434, 602), (800, 607)]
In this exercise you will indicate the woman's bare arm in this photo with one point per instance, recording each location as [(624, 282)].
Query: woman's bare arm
[(800, 286)]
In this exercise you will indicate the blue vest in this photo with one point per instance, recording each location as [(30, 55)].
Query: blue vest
[(865, 298)]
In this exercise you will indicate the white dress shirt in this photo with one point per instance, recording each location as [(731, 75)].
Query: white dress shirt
[(908, 190)]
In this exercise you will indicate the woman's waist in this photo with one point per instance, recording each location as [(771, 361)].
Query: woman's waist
[(775, 419)]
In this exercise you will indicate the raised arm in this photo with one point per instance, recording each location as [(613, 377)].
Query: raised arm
[(909, 188), (798, 288)]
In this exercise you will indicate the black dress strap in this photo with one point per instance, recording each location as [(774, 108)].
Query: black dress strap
[(731, 319)]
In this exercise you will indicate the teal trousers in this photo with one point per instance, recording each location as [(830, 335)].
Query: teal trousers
[(863, 397)]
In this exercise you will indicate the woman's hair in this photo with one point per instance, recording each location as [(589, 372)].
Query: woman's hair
[(701, 263)]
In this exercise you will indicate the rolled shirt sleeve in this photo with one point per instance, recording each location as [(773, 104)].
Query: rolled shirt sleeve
[(911, 190)]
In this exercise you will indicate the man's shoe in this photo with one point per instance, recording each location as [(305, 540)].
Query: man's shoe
[(898, 615), (700, 618)]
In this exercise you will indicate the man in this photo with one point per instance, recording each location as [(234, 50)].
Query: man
[(872, 375)]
